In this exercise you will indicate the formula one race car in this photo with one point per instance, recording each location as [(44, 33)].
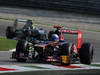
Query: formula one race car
[(54, 48), (25, 30)]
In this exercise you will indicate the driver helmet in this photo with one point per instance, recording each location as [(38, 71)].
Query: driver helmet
[(30, 23), (55, 37)]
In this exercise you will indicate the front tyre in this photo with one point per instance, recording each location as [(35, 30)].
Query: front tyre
[(66, 54), (86, 53), (22, 47), (9, 32)]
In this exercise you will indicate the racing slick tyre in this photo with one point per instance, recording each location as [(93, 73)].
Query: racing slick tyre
[(86, 53), (21, 48), (10, 32), (66, 54)]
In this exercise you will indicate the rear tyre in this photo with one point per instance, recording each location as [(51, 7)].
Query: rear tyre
[(86, 53), (9, 32), (66, 54)]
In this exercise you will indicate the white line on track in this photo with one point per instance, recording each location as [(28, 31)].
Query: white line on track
[(45, 67), (12, 50)]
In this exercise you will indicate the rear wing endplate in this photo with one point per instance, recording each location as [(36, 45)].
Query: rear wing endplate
[(76, 32)]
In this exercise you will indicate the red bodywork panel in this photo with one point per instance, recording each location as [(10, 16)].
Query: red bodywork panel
[(76, 32)]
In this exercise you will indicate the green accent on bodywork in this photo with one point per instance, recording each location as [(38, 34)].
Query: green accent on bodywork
[(6, 44)]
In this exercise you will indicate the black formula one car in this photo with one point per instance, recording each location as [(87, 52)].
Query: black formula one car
[(31, 46)]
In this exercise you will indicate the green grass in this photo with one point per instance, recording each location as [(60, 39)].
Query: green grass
[(6, 44)]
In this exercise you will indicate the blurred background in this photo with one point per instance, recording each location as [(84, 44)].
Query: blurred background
[(83, 6)]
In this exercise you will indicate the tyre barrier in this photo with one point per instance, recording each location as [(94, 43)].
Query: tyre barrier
[(82, 6)]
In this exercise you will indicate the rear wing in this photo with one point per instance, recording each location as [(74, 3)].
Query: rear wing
[(75, 32), (25, 21), (69, 31)]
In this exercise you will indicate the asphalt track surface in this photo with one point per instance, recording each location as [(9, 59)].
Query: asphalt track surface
[(85, 23), (85, 72)]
